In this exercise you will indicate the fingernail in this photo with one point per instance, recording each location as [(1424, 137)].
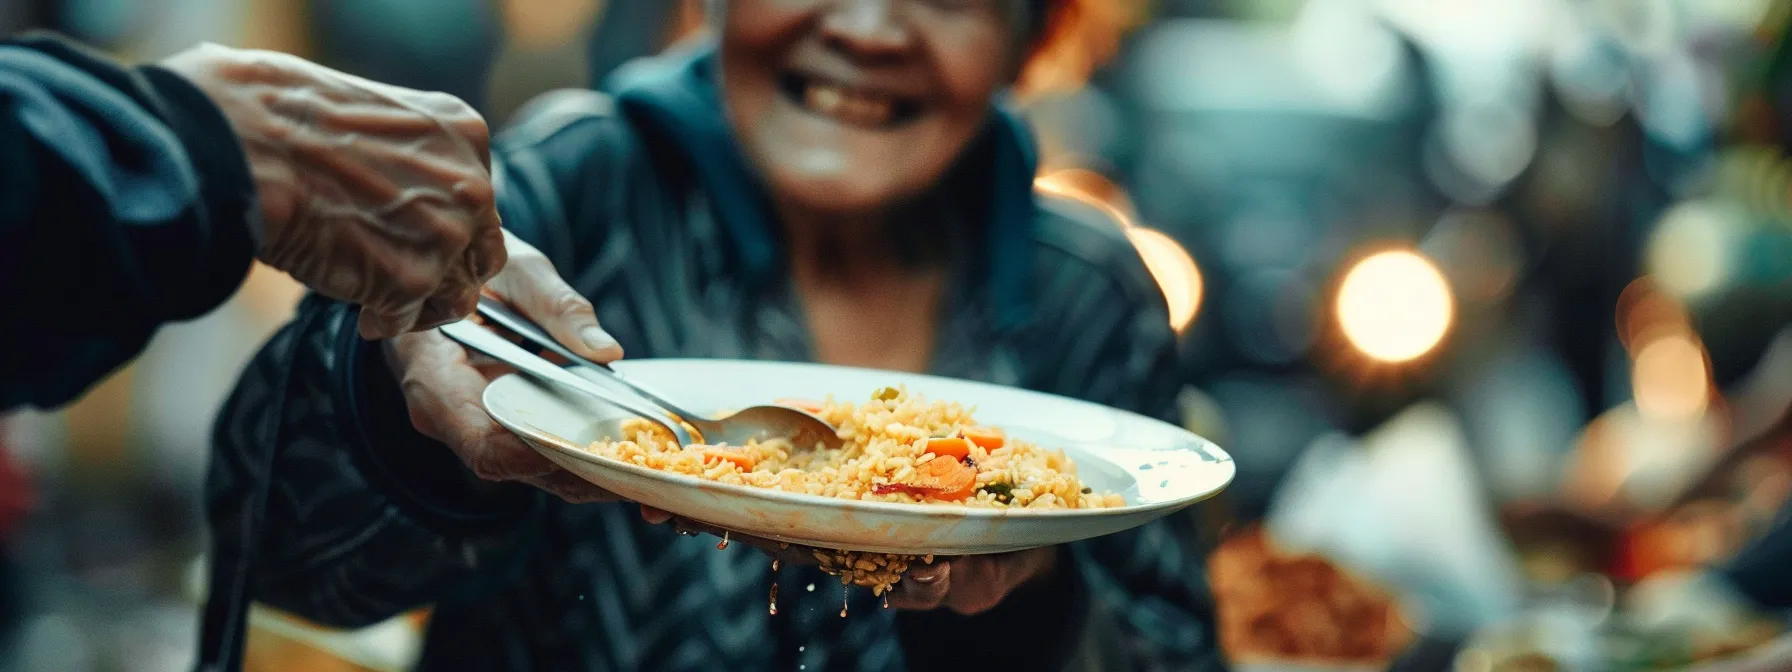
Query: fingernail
[(597, 339)]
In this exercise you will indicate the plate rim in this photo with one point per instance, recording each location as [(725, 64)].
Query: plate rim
[(1204, 442), (537, 438)]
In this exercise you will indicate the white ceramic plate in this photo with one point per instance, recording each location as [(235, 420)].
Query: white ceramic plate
[(1158, 467)]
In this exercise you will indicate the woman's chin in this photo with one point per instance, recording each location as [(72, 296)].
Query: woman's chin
[(840, 195)]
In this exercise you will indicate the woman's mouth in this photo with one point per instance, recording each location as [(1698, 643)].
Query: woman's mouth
[(848, 105)]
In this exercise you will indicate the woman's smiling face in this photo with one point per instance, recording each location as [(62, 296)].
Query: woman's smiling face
[(847, 106)]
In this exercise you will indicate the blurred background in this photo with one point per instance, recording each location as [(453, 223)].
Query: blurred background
[(1488, 298)]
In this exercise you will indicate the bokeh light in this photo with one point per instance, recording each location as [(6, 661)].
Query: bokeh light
[(1689, 253), (1670, 373), (1646, 313), (1481, 252), (1089, 187), (1395, 306), (1671, 379), (1175, 272), (1170, 264)]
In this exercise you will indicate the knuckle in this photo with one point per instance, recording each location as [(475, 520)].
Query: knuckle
[(458, 109), (568, 303), (455, 232), (487, 464), (482, 468), (489, 258), (470, 124), (476, 191), (413, 283), (416, 390), (410, 287), (441, 103), (472, 196), (459, 117), (445, 230), (420, 421)]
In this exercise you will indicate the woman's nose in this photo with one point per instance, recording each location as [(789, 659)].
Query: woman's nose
[(867, 28)]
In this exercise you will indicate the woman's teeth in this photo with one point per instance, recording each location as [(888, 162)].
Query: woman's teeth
[(848, 106)]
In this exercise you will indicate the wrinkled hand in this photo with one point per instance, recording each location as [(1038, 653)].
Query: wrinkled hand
[(371, 194), (968, 585), (972, 584), (443, 382)]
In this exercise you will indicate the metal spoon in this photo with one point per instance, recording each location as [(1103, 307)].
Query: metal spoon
[(482, 339), (759, 423)]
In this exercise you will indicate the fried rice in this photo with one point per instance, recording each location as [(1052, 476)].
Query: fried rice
[(887, 446)]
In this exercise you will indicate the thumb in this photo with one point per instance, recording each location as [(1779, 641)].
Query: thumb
[(535, 289)]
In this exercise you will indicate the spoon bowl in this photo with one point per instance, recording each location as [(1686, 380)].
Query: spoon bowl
[(760, 423), (763, 423)]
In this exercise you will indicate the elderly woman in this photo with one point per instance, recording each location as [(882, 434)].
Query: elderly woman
[(830, 180)]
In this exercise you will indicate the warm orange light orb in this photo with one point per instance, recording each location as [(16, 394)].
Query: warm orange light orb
[(1395, 306), (1174, 270), (1170, 264), (1670, 378)]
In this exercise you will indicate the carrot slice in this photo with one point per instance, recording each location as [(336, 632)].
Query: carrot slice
[(804, 405), (943, 477), (946, 478), (989, 438), (970, 488), (952, 447), (740, 459)]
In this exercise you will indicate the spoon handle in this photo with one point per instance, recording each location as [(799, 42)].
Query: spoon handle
[(496, 311), (482, 339)]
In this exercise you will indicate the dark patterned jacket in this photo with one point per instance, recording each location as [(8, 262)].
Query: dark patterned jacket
[(324, 501)]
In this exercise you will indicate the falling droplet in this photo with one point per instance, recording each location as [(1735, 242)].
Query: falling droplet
[(845, 595), (774, 610), (811, 587), (774, 564), (886, 602), (801, 649), (724, 543)]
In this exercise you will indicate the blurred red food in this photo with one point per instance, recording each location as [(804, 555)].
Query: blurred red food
[(16, 496)]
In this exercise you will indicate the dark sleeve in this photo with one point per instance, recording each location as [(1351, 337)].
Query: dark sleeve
[(348, 514), (1135, 600), (124, 204)]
